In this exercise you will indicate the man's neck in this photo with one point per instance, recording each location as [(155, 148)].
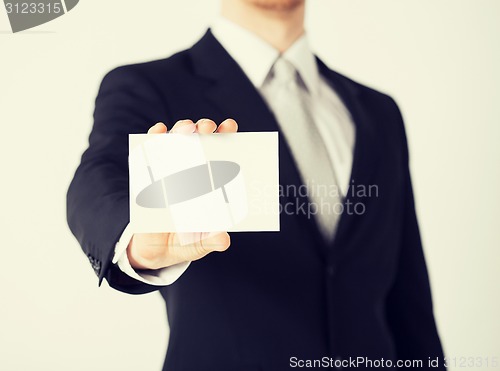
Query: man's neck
[(279, 28)]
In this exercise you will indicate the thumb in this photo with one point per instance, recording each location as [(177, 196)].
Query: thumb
[(194, 246)]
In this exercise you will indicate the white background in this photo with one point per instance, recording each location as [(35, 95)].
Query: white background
[(439, 59)]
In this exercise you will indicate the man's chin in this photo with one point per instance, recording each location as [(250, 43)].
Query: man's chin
[(277, 5)]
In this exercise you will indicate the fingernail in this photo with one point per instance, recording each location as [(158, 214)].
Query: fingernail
[(184, 129)]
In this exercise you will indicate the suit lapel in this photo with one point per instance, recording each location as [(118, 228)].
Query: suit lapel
[(230, 91), (365, 158), (365, 150)]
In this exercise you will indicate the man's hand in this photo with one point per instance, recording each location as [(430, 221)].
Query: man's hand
[(160, 250)]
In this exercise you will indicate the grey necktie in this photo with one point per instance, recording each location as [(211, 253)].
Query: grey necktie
[(287, 97)]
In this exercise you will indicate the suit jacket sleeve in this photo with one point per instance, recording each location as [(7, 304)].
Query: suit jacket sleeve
[(409, 304), (98, 197)]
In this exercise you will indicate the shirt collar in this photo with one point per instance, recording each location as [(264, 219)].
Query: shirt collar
[(302, 58), (256, 57)]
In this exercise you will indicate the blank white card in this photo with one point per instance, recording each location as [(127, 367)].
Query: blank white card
[(204, 183)]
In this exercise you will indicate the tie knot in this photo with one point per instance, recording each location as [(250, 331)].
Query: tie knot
[(283, 71)]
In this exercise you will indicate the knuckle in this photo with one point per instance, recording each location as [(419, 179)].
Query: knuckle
[(204, 247), (149, 250)]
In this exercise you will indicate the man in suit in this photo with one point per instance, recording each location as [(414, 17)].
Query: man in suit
[(331, 288)]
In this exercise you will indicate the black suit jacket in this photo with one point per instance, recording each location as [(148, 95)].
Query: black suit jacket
[(271, 296)]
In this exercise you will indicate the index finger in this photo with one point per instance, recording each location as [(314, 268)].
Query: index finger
[(158, 128)]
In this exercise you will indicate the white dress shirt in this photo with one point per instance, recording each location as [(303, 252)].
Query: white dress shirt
[(256, 58)]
